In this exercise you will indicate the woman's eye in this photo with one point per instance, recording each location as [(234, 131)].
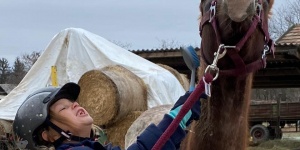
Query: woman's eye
[(65, 106), (62, 108)]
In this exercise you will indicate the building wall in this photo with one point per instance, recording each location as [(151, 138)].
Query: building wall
[(284, 94)]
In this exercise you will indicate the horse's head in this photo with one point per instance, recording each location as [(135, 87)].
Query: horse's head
[(242, 24), (239, 10)]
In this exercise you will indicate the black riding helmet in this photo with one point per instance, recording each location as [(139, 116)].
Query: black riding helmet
[(34, 112)]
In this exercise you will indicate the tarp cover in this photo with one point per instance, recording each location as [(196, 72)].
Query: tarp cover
[(75, 51)]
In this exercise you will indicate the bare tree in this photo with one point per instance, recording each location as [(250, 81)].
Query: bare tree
[(121, 44), (4, 70), (284, 17), (29, 59), (167, 44)]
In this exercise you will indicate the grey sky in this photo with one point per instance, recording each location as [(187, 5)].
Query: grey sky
[(29, 25)]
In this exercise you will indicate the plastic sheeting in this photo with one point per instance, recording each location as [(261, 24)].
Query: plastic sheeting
[(75, 51)]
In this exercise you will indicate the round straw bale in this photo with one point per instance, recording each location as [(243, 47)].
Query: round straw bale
[(186, 82), (174, 72), (152, 115), (5, 127), (110, 93), (116, 132)]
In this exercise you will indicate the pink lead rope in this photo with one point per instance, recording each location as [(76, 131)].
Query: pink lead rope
[(195, 95)]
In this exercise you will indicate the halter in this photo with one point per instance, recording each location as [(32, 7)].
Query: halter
[(241, 68)]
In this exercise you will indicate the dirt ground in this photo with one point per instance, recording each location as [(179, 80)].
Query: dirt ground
[(290, 141)]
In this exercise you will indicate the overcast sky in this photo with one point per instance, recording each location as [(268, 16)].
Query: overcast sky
[(29, 25)]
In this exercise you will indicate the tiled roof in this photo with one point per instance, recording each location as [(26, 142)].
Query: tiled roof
[(152, 50), (291, 37), (158, 50)]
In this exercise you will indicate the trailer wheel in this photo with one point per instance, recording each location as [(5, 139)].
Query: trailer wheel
[(259, 133)]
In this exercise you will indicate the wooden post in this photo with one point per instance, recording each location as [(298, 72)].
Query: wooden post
[(278, 116)]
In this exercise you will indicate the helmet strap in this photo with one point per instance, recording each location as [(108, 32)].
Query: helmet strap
[(65, 135)]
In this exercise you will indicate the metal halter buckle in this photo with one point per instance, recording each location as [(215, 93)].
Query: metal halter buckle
[(212, 11), (213, 67), (266, 51), (258, 9)]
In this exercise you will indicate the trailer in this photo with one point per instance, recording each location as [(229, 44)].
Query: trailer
[(266, 122)]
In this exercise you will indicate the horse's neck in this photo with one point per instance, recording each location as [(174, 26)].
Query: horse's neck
[(232, 88), (230, 96), (226, 114)]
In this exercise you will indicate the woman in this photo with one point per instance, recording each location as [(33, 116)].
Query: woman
[(52, 117)]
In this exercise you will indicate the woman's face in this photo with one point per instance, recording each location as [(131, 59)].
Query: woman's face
[(69, 116)]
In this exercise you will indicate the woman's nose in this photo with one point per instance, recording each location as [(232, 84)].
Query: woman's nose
[(75, 104)]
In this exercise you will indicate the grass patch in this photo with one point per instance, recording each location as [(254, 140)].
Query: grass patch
[(277, 145)]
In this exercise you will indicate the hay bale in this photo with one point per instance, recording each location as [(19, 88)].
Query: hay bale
[(186, 82), (176, 74), (5, 127), (152, 115), (5, 133), (116, 132), (111, 93), (99, 134)]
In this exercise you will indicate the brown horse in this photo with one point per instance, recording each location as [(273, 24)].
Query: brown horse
[(237, 30)]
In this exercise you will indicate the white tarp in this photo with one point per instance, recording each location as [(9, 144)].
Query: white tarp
[(75, 51)]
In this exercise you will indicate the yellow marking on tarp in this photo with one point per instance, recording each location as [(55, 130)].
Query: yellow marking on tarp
[(54, 76)]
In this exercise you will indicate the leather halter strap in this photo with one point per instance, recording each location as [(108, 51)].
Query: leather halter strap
[(241, 68)]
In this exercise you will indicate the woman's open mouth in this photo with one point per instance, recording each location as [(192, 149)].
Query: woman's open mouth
[(81, 112)]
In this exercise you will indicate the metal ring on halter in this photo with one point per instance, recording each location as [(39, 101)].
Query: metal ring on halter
[(214, 68), (266, 50), (258, 9), (212, 11)]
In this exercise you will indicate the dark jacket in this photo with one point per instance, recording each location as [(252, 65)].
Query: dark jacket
[(145, 141)]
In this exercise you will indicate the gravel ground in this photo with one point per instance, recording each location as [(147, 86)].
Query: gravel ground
[(290, 141)]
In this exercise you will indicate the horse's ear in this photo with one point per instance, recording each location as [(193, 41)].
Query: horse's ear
[(201, 12), (271, 2), (200, 8)]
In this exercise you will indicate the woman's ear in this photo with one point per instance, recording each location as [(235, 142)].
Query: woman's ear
[(50, 135), (45, 135)]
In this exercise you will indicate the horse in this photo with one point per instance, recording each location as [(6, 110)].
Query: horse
[(235, 41)]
